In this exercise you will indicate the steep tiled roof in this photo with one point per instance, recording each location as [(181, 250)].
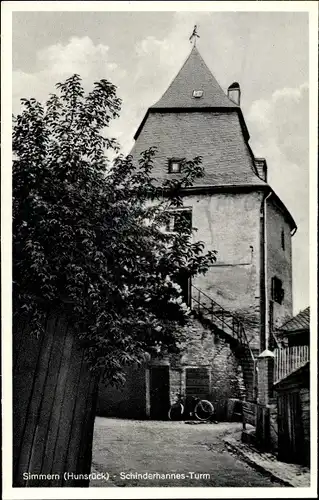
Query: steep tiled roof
[(194, 75), (217, 137), (299, 322)]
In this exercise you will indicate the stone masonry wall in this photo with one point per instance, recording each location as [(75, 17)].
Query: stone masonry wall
[(204, 348)]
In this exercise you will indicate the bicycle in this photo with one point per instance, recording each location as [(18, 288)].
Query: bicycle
[(191, 406)]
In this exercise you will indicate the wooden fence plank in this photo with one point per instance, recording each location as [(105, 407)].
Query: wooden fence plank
[(54, 423), (24, 372), (289, 359), (78, 425), (67, 411), (34, 403), (40, 438), (85, 456)]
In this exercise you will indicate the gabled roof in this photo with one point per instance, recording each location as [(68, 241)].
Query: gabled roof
[(299, 322), (194, 75)]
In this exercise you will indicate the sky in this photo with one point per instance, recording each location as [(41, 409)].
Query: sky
[(141, 52)]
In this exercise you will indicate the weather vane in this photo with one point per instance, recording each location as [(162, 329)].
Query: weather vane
[(194, 35)]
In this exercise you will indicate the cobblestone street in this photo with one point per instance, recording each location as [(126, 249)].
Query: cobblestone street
[(124, 448)]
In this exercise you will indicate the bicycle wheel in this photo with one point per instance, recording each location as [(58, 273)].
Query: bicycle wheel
[(204, 410), (176, 411)]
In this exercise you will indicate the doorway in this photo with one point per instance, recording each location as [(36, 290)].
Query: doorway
[(159, 392)]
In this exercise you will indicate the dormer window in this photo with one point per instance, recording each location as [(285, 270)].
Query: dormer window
[(197, 93), (174, 166)]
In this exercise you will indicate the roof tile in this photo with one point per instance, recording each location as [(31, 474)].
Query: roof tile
[(216, 136)]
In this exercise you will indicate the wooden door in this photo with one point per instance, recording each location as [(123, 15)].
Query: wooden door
[(283, 431), (159, 392), (290, 432)]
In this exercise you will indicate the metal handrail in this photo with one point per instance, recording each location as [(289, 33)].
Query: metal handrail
[(239, 323), (210, 310)]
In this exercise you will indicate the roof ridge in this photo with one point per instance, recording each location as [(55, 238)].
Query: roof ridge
[(194, 74), (212, 75), (174, 78)]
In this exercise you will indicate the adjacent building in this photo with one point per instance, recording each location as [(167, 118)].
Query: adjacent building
[(295, 331), (292, 388)]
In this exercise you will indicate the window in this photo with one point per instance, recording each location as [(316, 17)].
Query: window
[(277, 291), (197, 382), (179, 221), (170, 224), (197, 93), (174, 166), (183, 221), (283, 239)]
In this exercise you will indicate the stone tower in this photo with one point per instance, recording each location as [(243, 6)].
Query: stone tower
[(236, 213), (233, 207)]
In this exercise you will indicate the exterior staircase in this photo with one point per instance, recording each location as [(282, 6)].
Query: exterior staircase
[(232, 329)]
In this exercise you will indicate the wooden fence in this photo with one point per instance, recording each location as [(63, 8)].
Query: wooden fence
[(249, 414), (289, 359), (293, 398), (292, 443), (54, 398)]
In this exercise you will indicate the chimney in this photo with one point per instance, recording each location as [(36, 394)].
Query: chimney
[(261, 167), (234, 93)]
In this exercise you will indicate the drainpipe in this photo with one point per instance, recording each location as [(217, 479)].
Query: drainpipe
[(266, 272), (264, 331)]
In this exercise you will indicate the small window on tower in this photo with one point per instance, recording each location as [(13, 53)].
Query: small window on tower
[(179, 221), (174, 166), (277, 291), (183, 221), (197, 93), (283, 239)]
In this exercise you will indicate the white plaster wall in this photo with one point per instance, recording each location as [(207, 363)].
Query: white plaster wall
[(279, 261), (230, 223)]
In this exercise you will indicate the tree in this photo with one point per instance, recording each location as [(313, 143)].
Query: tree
[(90, 232)]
